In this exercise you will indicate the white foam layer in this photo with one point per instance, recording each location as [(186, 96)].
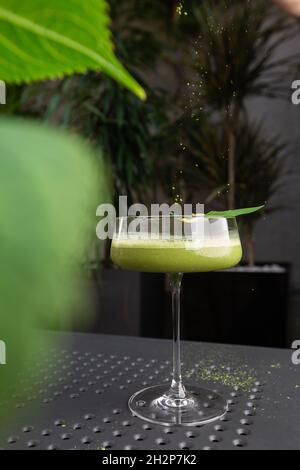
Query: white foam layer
[(138, 241)]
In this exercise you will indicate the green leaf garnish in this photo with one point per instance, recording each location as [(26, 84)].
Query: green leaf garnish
[(234, 212)]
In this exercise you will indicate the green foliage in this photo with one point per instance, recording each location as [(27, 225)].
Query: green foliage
[(121, 126), (38, 43), (48, 195)]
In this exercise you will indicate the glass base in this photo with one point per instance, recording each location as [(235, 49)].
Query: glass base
[(157, 405)]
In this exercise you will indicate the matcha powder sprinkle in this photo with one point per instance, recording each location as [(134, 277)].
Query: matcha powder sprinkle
[(214, 369)]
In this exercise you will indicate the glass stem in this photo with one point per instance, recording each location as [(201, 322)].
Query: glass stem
[(177, 388)]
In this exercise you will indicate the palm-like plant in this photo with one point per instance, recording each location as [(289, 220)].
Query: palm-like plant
[(260, 168), (235, 60)]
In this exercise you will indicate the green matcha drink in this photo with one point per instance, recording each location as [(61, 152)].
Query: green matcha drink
[(175, 256), (176, 245)]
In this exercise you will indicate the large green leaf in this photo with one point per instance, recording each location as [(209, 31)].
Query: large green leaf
[(41, 40), (49, 191)]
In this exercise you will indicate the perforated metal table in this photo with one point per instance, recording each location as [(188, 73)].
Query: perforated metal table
[(80, 401)]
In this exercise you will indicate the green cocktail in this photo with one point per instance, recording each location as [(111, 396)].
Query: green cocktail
[(175, 256), (193, 244)]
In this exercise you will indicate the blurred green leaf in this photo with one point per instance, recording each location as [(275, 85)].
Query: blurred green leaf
[(41, 41), (50, 186)]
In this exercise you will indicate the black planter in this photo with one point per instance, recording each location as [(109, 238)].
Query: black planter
[(235, 306)]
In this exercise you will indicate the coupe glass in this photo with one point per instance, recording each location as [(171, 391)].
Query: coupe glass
[(176, 245)]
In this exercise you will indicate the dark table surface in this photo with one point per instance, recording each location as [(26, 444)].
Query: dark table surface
[(79, 401)]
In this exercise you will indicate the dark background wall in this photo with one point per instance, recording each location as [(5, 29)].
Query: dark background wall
[(278, 235)]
